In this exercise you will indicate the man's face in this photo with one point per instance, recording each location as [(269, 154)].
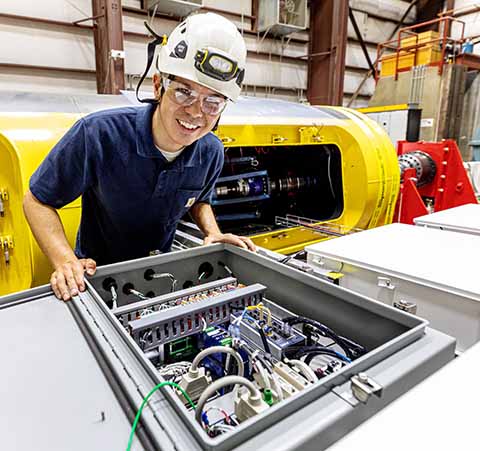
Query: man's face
[(184, 124)]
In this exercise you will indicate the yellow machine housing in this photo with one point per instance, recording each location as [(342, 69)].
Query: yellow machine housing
[(350, 158)]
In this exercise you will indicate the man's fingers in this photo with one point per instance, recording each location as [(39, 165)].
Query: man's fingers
[(62, 286), (230, 238), (54, 284), (89, 265), (251, 246), (234, 239), (69, 273), (77, 271)]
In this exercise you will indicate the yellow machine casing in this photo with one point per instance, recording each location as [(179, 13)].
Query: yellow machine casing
[(25, 140), (370, 176)]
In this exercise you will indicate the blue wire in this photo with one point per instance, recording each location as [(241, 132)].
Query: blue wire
[(342, 357)]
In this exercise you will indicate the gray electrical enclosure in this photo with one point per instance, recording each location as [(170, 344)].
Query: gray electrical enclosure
[(73, 377)]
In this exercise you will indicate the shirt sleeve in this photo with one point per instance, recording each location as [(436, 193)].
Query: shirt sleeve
[(67, 171), (207, 193)]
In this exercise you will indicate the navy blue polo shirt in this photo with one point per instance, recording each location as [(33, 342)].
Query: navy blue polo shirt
[(132, 198)]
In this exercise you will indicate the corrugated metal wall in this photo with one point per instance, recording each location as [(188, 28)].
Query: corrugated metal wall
[(468, 11), (59, 57)]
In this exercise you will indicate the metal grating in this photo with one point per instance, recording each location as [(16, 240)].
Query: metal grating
[(165, 326)]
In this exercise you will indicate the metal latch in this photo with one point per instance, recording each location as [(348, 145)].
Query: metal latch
[(318, 260), (406, 306), (3, 197), (277, 139), (385, 282), (226, 139), (6, 243), (363, 387)]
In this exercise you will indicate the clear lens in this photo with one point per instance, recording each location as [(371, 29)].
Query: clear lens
[(213, 105), (184, 96)]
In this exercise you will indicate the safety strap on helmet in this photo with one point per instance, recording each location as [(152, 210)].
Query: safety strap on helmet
[(152, 45)]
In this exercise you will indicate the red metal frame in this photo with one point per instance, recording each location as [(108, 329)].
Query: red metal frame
[(444, 39), (450, 188)]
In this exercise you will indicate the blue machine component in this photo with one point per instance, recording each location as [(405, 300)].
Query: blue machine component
[(467, 46), (215, 363), (248, 187)]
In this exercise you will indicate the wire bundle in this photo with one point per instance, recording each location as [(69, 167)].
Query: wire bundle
[(352, 350)]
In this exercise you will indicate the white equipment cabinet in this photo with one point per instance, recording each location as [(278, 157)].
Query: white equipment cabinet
[(463, 219), (427, 272), (179, 8), (282, 17)]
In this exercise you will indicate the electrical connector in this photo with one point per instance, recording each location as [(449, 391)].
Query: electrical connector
[(247, 406), (194, 382), (278, 385), (267, 396), (291, 376)]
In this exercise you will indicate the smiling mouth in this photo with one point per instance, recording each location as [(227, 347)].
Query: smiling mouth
[(187, 125)]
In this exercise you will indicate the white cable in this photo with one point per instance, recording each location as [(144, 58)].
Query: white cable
[(255, 395), (166, 275), (263, 374), (138, 294), (304, 369), (276, 386), (114, 297)]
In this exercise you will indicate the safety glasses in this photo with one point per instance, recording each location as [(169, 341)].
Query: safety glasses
[(183, 95)]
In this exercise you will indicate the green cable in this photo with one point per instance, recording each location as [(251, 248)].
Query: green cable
[(145, 400)]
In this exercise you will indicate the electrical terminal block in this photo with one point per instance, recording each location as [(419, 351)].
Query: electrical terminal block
[(194, 383), (291, 376), (286, 388), (247, 406)]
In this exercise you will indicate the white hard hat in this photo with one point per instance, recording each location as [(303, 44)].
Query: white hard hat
[(206, 49)]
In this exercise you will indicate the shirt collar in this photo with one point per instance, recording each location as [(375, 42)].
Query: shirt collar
[(190, 157)]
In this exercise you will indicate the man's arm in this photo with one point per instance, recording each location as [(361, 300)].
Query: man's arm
[(47, 228), (203, 216)]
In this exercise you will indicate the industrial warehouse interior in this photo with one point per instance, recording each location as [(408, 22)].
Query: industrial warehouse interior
[(247, 225)]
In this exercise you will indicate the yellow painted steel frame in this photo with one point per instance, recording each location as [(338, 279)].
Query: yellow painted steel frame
[(369, 165)]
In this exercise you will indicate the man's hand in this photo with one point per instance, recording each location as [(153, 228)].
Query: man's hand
[(67, 280), (230, 238)]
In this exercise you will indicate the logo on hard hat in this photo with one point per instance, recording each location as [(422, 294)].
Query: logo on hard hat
[(180, 50)]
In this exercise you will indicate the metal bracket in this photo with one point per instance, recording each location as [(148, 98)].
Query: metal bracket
[(226, 139), (3, 197), (385, 282), (120, 54), (363, 387), (6, 243), (406, 306)]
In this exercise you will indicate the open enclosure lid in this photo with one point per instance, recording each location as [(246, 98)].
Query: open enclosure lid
[(53, 388)]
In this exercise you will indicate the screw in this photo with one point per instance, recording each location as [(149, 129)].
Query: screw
[(362, 377)]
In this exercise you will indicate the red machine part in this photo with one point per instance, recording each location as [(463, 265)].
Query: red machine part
[(449, 188)]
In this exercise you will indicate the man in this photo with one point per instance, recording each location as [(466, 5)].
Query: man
[(139, 170)]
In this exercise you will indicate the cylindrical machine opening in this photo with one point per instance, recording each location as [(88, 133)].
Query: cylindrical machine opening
[(259, 183)]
